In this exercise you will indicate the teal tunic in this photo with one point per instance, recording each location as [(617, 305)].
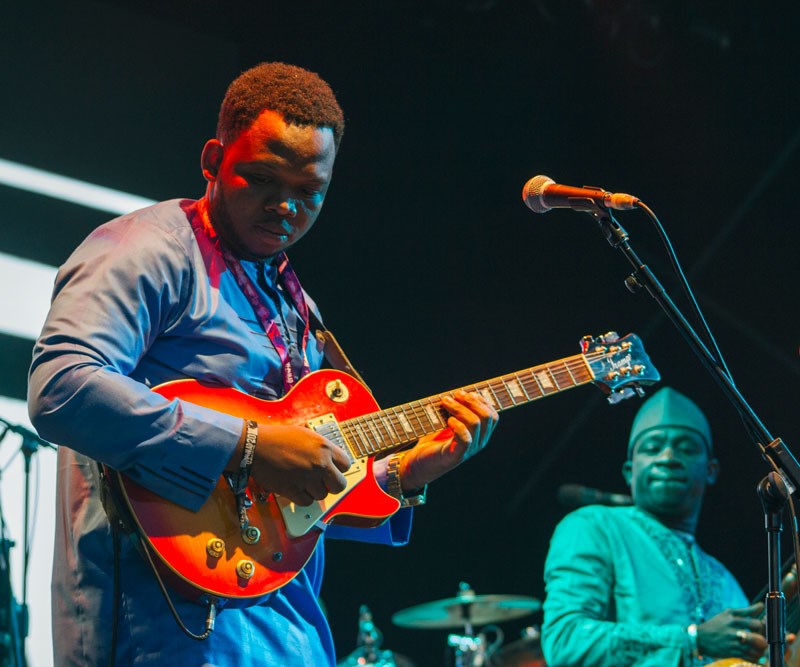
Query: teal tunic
[(621, 589)]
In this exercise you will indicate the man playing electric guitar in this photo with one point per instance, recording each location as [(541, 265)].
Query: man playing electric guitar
[(203, 290)]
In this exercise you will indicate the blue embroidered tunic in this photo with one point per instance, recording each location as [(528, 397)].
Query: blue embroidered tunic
[(621, 589)]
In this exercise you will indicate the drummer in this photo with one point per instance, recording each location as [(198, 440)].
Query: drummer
[(630, 585)]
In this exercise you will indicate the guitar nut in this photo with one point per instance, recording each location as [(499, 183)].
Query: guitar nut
[(245, 569), (215, 547)]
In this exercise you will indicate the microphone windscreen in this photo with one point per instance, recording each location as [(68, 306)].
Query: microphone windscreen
[(532, 191)]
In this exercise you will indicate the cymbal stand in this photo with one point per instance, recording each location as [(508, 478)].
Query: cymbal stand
[(471, 650), (368, 650)]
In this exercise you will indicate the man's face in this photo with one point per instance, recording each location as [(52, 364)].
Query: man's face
[(669, 471), (267, 187)]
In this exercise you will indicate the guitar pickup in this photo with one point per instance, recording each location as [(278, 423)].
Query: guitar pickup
[(328, 427)]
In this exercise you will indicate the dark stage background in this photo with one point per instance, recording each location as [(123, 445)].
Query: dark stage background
[(425, 262)]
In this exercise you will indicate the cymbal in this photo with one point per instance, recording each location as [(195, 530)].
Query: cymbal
[(468, 607)]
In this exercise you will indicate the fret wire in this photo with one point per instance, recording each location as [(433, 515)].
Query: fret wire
[(508, 390), (561, 373), (542, 392), (412, 416), (431, 408), (376, 432), (427, 416), (356, 439), (420, 409), (555, 380), (352, 446), (362, 437), (583, 372), (522, 386), (485, 391), (530, 385), (393, 436), (582, 364), (587, 367), (504, 393), (362, 434), (375, 428), (403, 421)]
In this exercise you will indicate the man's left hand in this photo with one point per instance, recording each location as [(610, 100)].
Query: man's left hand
[(470, 425)]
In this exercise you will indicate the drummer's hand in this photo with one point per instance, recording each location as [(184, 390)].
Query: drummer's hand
[(470, 425), (733, 633)]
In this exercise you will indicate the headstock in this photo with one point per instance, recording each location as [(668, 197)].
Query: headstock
[(620, 366)]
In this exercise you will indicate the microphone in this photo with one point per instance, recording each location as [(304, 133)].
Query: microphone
[(575, 495), (541, 193), (26, 434)]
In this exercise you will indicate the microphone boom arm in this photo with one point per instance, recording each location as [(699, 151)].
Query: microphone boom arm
[(773, 450)]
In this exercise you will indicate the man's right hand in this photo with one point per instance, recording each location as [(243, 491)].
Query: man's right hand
[(733, 633), (296, 462)]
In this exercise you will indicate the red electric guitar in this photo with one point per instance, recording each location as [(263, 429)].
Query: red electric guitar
[(207, 553)]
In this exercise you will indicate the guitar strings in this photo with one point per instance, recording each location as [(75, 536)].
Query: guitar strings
[(397, 426)]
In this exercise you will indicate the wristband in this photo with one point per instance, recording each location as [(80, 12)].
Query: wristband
[(250, 439), (239, 479)]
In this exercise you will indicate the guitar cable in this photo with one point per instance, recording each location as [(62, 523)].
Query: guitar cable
[(112, 659), (211, 614), (121, 521)]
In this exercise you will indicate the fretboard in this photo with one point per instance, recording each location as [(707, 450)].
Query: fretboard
[(402, 425)]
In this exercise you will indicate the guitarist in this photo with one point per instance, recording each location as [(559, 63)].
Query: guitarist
[(204, 290), (630, 585)]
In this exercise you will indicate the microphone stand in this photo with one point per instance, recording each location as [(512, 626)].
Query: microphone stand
[(777, 454), (30, 445), (773, 494)]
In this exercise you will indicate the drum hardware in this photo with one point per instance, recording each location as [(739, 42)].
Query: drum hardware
[(466, 610), (368, 646), (474, 650)]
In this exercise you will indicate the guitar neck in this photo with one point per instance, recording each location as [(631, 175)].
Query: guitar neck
[(397, 427)]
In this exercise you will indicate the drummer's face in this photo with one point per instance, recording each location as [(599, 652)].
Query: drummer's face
[(668, 472)]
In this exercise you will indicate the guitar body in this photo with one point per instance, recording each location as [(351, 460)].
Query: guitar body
[(208, 554), (180, 538)]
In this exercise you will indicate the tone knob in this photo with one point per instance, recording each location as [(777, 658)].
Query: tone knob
[(215, 547), (251, 535), (245, 569)]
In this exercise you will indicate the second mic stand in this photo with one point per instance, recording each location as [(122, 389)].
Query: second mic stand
[(773, 450), (30, 445), (774, 495)]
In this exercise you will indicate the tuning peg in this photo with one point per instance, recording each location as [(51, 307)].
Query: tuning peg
[(610, 337)]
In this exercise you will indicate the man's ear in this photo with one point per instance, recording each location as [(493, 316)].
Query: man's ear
[(627, 472), (211, 159), (713, 471)]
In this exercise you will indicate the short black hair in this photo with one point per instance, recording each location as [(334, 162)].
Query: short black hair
[(300, 96)]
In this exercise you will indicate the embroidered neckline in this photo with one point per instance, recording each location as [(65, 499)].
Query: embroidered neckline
[(685, 558)]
